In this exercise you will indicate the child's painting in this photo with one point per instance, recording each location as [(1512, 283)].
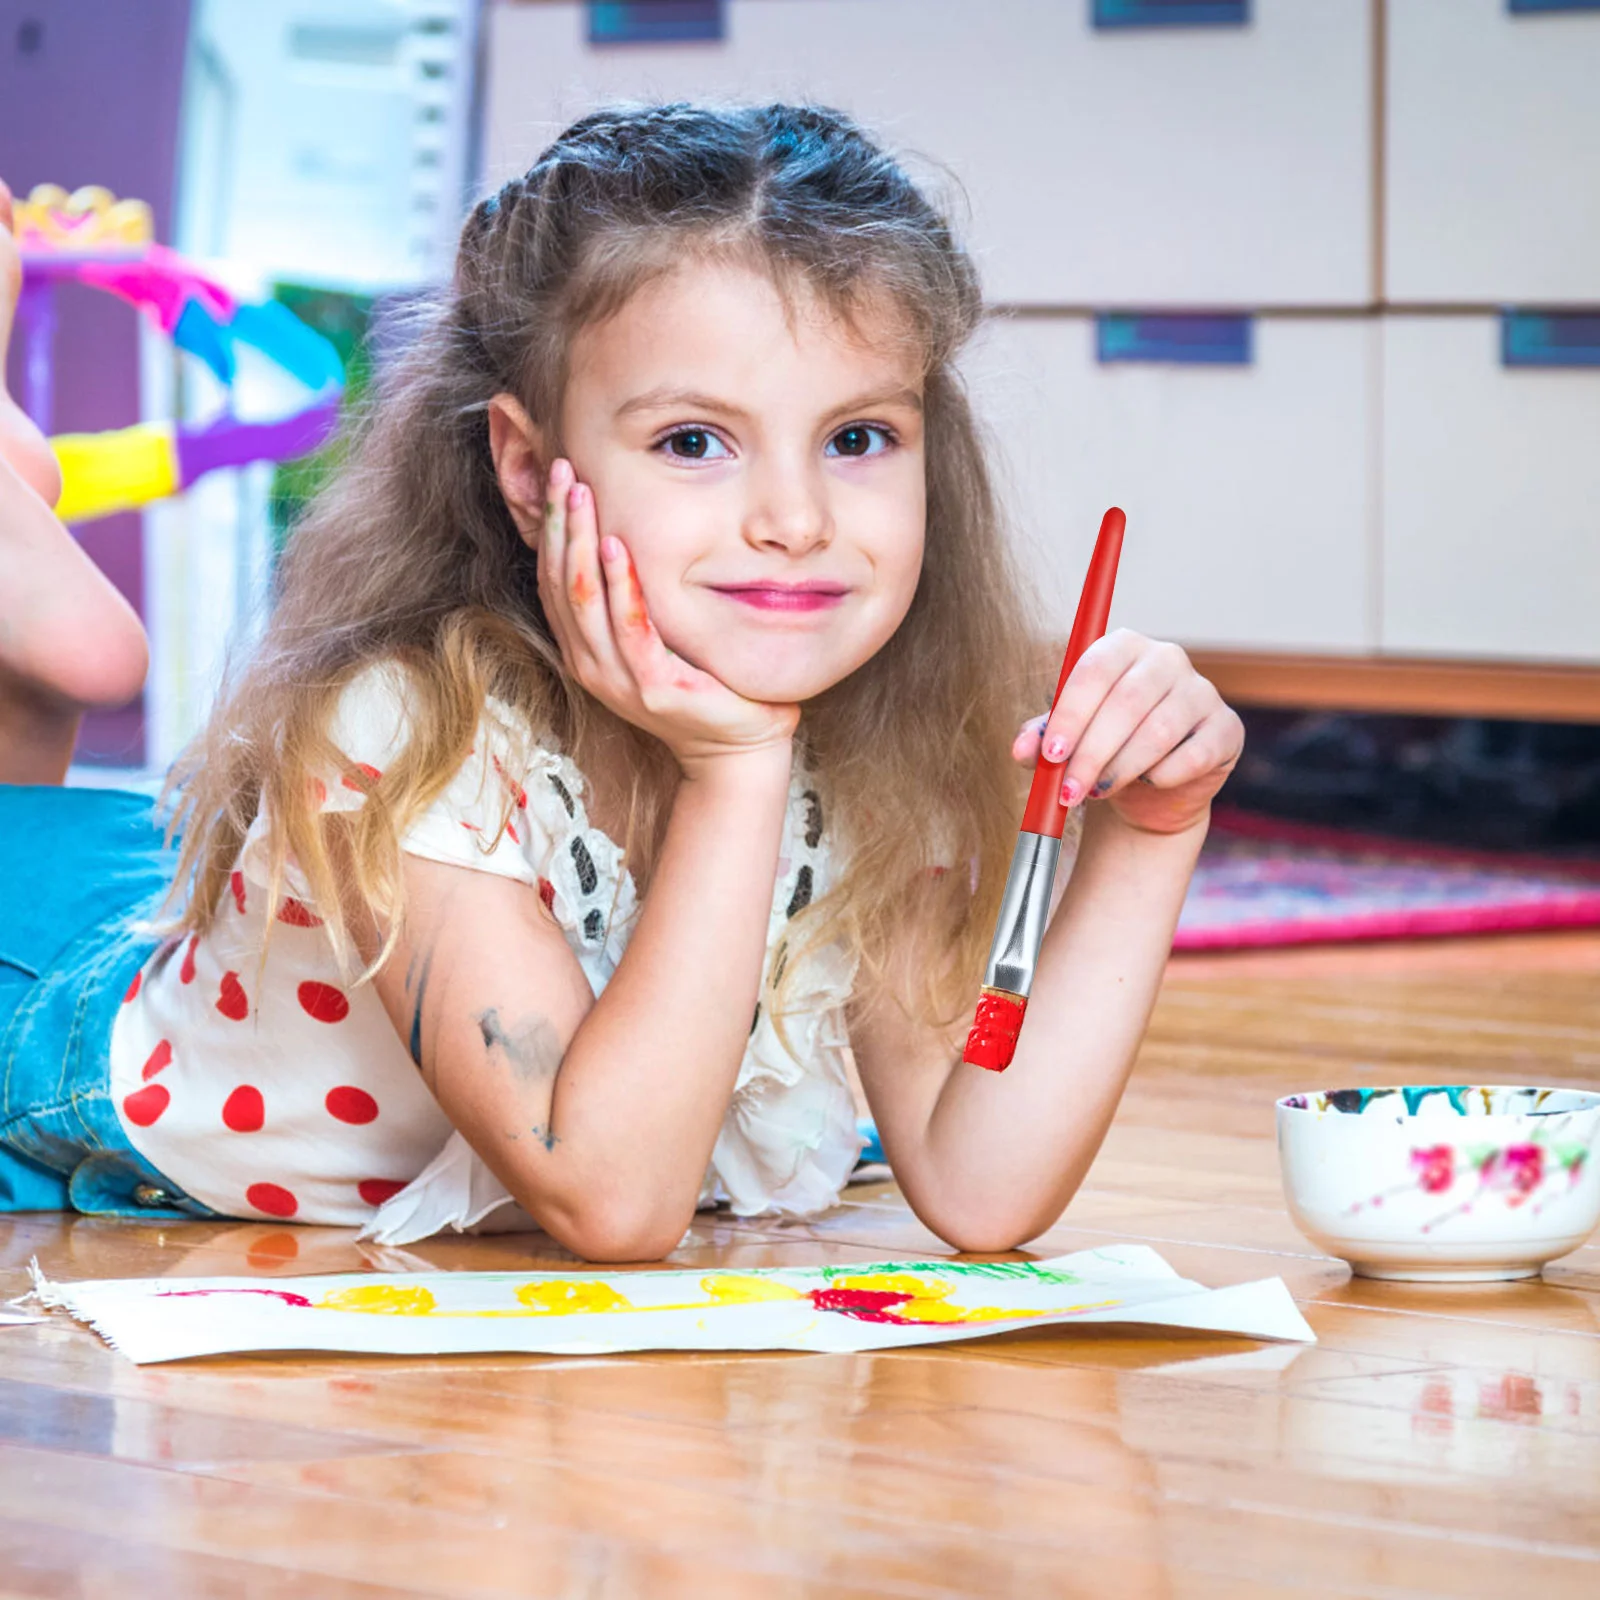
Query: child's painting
[(833, 1308)]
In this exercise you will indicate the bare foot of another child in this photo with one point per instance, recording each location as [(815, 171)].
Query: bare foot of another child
[(68, 640)]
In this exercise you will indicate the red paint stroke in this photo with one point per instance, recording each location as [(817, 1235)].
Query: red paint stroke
[(865, 1305), (286, 1295)]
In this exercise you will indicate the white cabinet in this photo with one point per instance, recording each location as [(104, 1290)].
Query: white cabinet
[(1248, 489), (1189, 166), (1491, 498), (1493, 189)]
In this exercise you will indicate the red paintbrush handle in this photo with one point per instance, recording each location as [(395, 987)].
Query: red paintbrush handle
[(1045, 813)]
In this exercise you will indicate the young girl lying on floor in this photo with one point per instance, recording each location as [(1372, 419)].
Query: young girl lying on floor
[(633, 733)]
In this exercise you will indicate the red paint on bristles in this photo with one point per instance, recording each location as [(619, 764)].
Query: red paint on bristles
[(993, 1040)]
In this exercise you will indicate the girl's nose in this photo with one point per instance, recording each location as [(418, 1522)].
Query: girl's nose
[(788, 510)]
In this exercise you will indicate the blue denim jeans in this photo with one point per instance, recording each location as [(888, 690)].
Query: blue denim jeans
[(78, 869)]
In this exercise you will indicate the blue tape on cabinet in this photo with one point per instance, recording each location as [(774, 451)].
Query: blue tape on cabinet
[(1209, 339), (1550, 338), (1531, 8), (1169, 13), (656, 21)]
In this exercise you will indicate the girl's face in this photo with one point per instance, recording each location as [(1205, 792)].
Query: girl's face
[(765, 470)]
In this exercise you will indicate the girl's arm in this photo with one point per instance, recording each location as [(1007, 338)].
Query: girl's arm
[(599, 1115), (989, 1160)]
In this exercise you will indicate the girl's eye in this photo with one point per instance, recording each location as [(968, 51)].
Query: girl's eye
[(860, 439), (694, 444)]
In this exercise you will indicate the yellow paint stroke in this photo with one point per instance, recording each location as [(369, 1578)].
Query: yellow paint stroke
[(384, 1299), (743, 1289), (553, 1298), (928, 1300)]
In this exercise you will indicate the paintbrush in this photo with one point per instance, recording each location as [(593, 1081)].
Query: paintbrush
[(1025, 908)]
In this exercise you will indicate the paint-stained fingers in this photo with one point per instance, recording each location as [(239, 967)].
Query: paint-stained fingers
[(586, 601), (553, 555), (1102, 667), (654, 668), (1215, 746), (1166, 727), (1149, 674)]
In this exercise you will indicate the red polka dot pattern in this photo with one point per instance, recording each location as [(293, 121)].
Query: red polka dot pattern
[(158, 1058), (322, 1001), (244, 1110), (272, 1198), (319, 791), (233, 1002), (236, 883), (350, 1104), (511, 828), (298, 915), (367, 771), (376, 1190), (144, 1106), (547, 893), (133, 988), (186, 971)]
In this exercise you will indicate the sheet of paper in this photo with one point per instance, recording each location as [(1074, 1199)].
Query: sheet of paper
[(835, 1308)]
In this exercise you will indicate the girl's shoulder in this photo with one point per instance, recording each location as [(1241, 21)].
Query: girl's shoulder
[(375, 718)]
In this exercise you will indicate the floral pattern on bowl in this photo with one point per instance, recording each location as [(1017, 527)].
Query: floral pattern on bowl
[(1451, 1181)]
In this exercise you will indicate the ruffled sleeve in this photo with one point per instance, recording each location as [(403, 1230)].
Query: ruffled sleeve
[(788, 1142), (509, 809)]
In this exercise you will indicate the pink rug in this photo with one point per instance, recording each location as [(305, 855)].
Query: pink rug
[(1262, 882)]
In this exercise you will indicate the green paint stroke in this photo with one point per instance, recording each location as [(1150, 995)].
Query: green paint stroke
[(1024, 1271)]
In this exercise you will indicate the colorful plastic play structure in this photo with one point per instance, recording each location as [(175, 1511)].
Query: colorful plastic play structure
[(92, 238)]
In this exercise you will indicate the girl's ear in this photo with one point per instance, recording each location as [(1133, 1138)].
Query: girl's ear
[(517, 446)]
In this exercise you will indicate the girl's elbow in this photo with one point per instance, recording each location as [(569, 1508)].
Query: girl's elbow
[(977, 1232), (621, 1231)]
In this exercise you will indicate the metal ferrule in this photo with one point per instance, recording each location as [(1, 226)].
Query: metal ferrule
[(1024, 914)]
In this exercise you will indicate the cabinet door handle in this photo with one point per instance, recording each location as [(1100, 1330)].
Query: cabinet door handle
[(1531, 8), (1549, 338), (1189, 338), (1170, 13), (649, 22)]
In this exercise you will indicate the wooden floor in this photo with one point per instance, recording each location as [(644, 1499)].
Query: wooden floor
[(1437, 1441)]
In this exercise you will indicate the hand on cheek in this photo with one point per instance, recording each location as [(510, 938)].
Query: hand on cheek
[(596, 609), (1137, 726)]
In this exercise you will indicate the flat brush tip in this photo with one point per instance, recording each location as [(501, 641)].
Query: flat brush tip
[(993, 1040)]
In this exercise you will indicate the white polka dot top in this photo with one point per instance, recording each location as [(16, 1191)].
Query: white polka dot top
[(270, 1087)]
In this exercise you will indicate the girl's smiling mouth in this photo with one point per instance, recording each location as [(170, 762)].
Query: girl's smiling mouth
[(816, 596)]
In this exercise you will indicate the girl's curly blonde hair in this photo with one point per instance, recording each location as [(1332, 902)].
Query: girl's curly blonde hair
[(411, 555)]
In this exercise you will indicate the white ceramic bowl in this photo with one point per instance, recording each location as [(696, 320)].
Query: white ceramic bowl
[(1455, 1183)]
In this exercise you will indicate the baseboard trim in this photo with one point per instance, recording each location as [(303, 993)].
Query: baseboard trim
[(1405, 684)]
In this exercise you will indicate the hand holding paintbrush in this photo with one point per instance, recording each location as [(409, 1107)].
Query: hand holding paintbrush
[(1083, 753)]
